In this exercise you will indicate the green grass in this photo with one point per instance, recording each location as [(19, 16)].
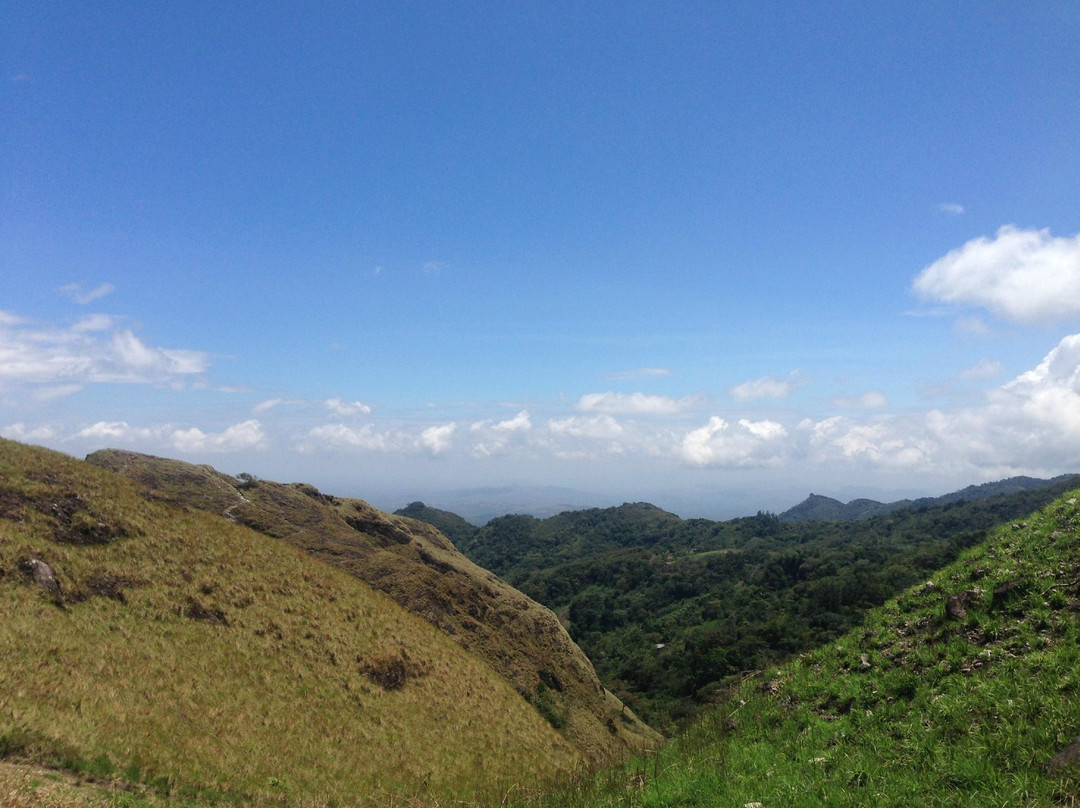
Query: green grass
[(912, 708)]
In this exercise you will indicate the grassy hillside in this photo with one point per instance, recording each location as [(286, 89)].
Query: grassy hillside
[(172, 648), (420, 569), (964, 690)]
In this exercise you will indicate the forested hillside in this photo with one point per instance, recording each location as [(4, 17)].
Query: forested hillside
[(672, 610), (960, 691), (816, 506)]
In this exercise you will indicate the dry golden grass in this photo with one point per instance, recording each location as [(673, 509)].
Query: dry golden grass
[(201, 655), (421, 570)]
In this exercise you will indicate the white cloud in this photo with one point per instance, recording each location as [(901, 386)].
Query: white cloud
[(598, 427), (265, 406), (518, 423), (84, 353), (870, 400), (637, 403), (336, 436), (26, 434), (764, 387), (55, 391), (1025, 276), (639, 373), (105, 429), (246, 435), (93, 322), (983, 369), (745, 444), (437, 439), (971, 327), (76, 293), (347, 408), (115, 433), (9, 319), (497, 438), (951, 208)]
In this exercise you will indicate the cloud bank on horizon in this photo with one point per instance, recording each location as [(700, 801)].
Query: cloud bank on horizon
[(1030, 424)]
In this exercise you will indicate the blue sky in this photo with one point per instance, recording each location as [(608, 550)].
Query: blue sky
[(723, 252)]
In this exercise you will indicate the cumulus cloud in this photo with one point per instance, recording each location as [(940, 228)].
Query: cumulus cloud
[(347, 408), (437, 439), (637, 403), (106, 429), (82, 297), (870, 400), (764, 387), (744, 444), (520, 422), (246, 435), (340, 436), (498, 437), (26, 434), (84, 353), (1026, 276), (602, 427)]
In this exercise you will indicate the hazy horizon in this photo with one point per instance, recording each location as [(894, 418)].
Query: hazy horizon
[(699, 255)]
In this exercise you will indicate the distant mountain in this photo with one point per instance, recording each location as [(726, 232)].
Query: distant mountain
[(816, 506), (449, 524), (480, 505)]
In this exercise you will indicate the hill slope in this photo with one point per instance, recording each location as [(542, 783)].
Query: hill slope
[(962, 691), (167, 646), (420, 569)]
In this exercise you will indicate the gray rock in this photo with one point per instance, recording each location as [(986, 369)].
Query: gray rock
[(43, 577)]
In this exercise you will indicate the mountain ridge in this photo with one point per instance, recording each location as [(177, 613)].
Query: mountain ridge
[(817, 506)]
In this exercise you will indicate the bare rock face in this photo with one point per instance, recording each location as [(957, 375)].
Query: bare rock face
[(1066, 758), (43, 576), (956, 605)]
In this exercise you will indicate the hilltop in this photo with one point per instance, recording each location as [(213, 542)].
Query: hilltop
[(960, 691), (169, 649), (449, 524)]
